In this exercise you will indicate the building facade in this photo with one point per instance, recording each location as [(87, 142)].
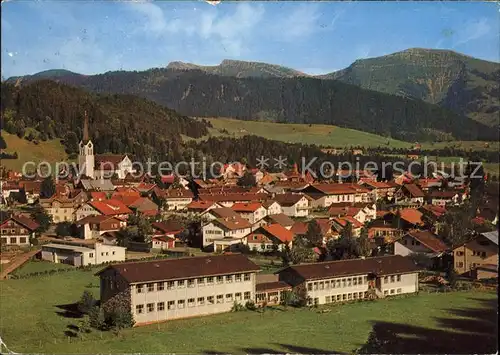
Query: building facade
[(169, 289)]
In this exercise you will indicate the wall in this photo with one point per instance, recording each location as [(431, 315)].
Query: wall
[(106, 253), (185, 293), (408, 284)]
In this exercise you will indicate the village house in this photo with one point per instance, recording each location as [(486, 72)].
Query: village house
[(223, 233), (324, 195), (92, 227), (229, 199), (269, 238), (347, 280), (31, 190), (478, 258), (272, 207), (17, 230), (443, 198), (62, 209), (379, 188), (253, 211), (8, 187), (161, 290), (410, 193), (165, 234), (104, 185), (293, 204), (281, 219), (78, 254), (110, 207), (222, 212), (201, 206), (174, 199), (109, 165), (422, 242), (339, 223), (271, 292), (426, 184), (362, 212)]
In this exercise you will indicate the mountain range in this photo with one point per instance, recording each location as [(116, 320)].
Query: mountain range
[(414, 94)]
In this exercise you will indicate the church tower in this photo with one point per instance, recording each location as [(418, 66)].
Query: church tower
[(86, 152)]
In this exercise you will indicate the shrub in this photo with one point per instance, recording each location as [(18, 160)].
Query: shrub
[(119, 319), (250, 305), (87, 302), (96, 318), (237, 307)]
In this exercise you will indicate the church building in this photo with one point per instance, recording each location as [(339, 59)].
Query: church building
[(103, 165)]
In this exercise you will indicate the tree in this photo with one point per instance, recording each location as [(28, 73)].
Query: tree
[(42, 218), (364, 245), (452, 276), (247, 180), (63, 229), (119, 319), (87, 302), (314, 234), (48, 187), (139, 229), (84, 325), (96, 318), (301, 252)]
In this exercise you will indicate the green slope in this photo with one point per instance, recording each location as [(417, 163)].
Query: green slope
[(464, 84)]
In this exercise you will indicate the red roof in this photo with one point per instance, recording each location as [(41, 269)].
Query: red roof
[(299, 228), (344, 220), (279, 232), (429, 240), (200, 205), (412, 216), (168, 227), (25, 221), (414, 190), (110, 207), (246, 207), (335, 189)]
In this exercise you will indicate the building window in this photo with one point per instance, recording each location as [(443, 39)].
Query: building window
[(237, 277), (22, 240), (13, 240), (361, 294), (386, 292), (220, 298), (4, 240), (398, 290), (344, 297), (220, 279), (190, 302), (365, 278), (210, 280), (237, 296), (160, 306), (309, 286), (349, 296), (139, 288), (160, 286), (460, 253), (246, 277), (315, 286), (246, 295), (139, 309), (355, 281), (355, 295), (151, 307), (386, 279), (392, 291), (460, 264), (201, 281), (316, 300), (229, 278), (339, 297), (201, 301), (229, 297), (338, 283), (328, 299), (191, 283), (170, 285), (344, 282), (181, 284), (393, 278), (398, 278), (181, 303), (91, 255), (151, 287), (210, 299), (349, 282)]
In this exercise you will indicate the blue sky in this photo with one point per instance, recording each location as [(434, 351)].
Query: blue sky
[(316, 37)]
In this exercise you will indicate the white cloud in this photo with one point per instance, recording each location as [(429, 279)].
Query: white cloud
[(472, 30), (299, 23)]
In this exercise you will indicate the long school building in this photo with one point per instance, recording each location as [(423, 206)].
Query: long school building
[(162, 290), (156, 291)]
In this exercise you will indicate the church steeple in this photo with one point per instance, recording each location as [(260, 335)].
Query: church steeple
[(85, 128)]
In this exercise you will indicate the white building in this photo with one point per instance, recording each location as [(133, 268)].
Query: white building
[(79, 255)]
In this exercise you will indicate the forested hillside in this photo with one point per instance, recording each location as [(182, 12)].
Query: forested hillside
[(45, 110), (292, 100), (466, 85)]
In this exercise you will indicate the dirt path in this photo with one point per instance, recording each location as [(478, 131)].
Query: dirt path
[(17, 262)]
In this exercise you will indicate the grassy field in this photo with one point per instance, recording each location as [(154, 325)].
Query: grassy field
[(39, 266), (326, 135), (33, 320), (50, 151)]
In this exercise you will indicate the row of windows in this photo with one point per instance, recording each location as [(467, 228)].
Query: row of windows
[(192, 302), (22, 240), (201, 281), (338, 283), (392, 291), (413, 242), (14, 231), (392, 278)]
